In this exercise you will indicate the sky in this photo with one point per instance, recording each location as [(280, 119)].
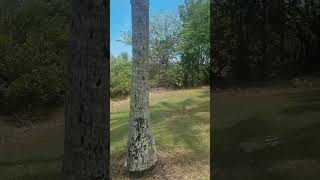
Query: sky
[(120, 20)]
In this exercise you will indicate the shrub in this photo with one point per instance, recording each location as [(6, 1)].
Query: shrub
[(173, 76), (34, 37), (120, 78)]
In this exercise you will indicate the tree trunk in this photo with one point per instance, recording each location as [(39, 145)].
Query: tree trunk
[(264, 58), (141, 147), (86, 146), (282, 31), (242, 47)]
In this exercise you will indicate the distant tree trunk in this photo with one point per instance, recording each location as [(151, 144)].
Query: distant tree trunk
[(86, 146), (264, 58), (241, 64), (141, 147), (282, 31), (162, 71), (186, 79)]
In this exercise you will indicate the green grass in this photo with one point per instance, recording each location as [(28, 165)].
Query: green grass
[(180, 123), (292, 115), (32, 155), (179, 119)]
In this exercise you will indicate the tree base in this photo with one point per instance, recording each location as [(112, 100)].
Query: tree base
[(140, 166), (139, 173)]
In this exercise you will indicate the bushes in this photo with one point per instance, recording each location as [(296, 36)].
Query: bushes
[(120, 72), (173, 76), (33, 81), (33, 39)]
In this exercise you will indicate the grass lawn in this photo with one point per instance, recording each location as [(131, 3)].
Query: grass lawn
[(181, 130), (180, 124), (32, 153), (259, 133), (267, 133)]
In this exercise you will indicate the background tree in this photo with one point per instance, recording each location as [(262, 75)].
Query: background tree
[(194, 47), (261, 40), (179, 46), (141, 147), (164, 48), (164, 43), (86, 148)]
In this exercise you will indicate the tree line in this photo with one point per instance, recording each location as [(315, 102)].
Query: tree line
[(34, 40), (179, 48), (265, 39), (34, 36)]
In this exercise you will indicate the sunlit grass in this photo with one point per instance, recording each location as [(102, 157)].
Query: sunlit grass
[(180, 123), (180, 120)]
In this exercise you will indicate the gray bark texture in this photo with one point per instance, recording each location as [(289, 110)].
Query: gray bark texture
[(86, 146), (141, 147)]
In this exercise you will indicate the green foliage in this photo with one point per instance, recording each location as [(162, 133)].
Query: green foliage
[(194, 47), (120, 72), (259, 40), (164, 38), (33, 38), (173, 76), (41, 85), (179, 46)]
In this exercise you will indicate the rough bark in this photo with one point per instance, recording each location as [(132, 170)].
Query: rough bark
[(86, 153), (141, 147)]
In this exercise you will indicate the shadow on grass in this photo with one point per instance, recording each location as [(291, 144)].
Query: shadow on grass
[(178, 118), (49, 169), (302, 143), (230, 157), (183, 130), (31, 161), (40, 176), (174, 125), (251, 127), (227, 141)]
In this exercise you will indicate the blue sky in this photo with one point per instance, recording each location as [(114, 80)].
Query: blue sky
[(120, 19)]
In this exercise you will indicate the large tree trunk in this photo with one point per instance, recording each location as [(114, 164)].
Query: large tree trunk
[(141, 147), (86, 152)]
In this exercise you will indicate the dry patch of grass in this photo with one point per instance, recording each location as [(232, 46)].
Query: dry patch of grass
[(171, 165)]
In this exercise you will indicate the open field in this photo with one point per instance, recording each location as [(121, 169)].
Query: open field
[(260, 133), (180, 121)]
